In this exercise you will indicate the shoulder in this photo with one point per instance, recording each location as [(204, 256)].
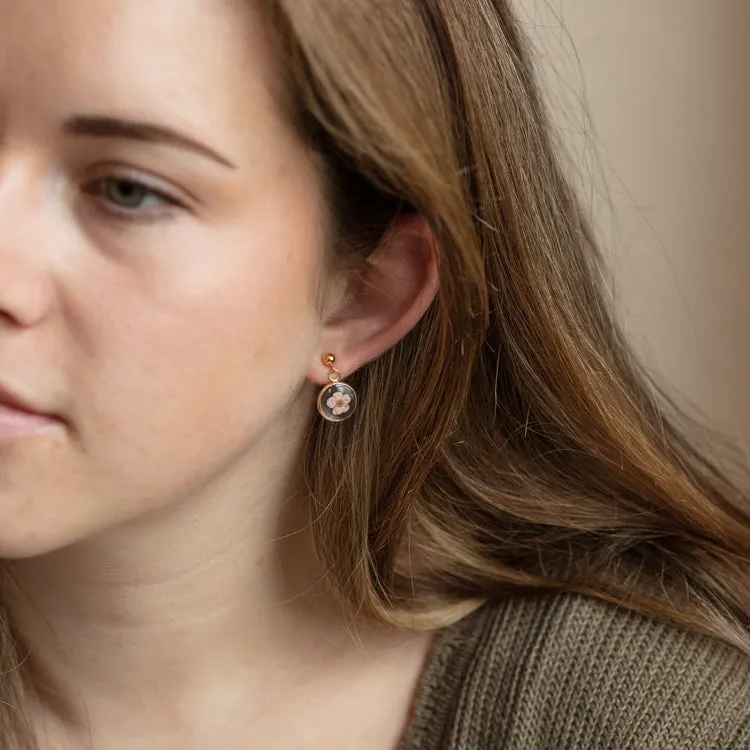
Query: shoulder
[(567, 672)]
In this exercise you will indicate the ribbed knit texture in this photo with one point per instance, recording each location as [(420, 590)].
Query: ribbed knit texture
[(567, 672)]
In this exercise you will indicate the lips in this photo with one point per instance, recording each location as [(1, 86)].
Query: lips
[(10, 402), (19, 418)]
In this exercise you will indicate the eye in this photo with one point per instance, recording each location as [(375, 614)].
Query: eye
[(130, 198), (131, 195)]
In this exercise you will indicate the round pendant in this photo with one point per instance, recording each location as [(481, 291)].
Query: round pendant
[(337, 402)]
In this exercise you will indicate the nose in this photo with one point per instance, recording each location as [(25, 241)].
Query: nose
[(25, 285)]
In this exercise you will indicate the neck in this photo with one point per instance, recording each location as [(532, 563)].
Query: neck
[(179, 608)]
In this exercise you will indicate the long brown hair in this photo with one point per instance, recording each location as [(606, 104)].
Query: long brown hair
[(511, 443)]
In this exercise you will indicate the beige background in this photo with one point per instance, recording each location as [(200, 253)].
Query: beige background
[(667, 173)]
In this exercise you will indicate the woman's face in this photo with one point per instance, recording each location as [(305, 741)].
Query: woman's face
[(160, 248)]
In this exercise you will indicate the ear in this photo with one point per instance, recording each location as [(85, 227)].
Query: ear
[(383, 301)]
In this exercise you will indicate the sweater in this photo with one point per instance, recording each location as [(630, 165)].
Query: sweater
[(568, 672)]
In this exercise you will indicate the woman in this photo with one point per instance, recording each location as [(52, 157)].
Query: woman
[(316, 429)]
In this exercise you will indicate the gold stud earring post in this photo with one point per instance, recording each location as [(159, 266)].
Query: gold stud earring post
[(329, 361)]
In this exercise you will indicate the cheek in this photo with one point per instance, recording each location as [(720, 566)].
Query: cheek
[(173, 387), (200, 368)]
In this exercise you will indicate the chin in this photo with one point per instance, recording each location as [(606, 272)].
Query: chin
[(22, 544), (47, 501), (40, 523)]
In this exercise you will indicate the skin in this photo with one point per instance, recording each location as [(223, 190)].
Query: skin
[(157, 531)]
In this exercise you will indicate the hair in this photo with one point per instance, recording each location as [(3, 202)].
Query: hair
[(511, 443)]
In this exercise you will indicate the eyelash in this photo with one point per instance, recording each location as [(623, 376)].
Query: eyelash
[(98, 189)]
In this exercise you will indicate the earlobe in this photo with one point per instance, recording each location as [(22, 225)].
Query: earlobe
[(388, 297)]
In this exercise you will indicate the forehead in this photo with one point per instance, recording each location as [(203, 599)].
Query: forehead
[(204, 59)]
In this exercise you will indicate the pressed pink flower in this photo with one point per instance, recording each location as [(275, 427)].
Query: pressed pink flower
[(338, 403)]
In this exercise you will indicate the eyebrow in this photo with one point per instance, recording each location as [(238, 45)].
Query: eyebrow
[(98, 126)]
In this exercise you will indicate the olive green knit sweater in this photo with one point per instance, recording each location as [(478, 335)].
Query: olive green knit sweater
[(567, 672)]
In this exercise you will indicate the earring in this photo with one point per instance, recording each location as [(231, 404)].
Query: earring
[(336, 401)]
